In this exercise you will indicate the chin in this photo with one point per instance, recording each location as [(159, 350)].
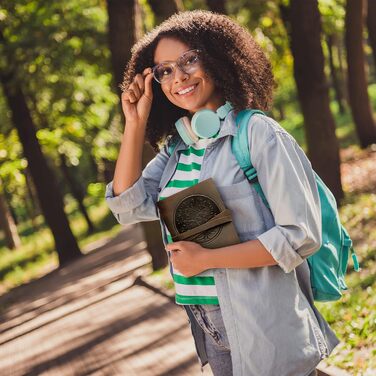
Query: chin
[(194, 106), (190, 108)]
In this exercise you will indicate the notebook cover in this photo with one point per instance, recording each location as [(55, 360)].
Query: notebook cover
[(198, 214)]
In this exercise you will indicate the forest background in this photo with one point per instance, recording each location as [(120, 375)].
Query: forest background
[(61, 126)]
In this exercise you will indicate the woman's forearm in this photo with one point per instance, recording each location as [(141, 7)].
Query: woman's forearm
[(250, 254)]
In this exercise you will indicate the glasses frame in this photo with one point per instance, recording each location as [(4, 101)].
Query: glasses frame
[(174, 64)]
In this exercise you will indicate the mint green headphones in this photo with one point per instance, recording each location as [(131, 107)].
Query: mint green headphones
[(204, 124)]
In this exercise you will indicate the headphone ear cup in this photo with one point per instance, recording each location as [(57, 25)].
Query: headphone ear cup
[(205, 123), (183, 126)]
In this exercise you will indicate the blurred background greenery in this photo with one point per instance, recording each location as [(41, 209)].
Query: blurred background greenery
[(61, 125)]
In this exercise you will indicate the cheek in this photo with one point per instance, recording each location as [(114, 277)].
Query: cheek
[(168, 94), (210, 84)]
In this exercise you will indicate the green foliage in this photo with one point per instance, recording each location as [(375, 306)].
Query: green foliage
[(96, 191), (262, 19), (59, 54), (147, 15), (332, 15), (194, 4)]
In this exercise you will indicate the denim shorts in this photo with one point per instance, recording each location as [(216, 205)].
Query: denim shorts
[(217, 346)]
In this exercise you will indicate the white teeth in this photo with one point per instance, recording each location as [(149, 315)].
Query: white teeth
[(187, 90)]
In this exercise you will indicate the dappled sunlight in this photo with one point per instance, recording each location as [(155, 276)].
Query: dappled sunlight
[(359, 170), (97, 315)]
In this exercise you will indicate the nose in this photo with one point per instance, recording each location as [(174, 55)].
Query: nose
[(179, 75)]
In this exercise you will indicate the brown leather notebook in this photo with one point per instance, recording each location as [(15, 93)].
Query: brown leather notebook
[(198, 214)]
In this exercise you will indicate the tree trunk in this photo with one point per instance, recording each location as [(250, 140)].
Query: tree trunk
[(49, 196), (357, 83), (48, 192), (76, 192), (12, 239), (281, 111), (341, 69), (122, 36), (164, 9), (124, 29), (333, 73), (303, 23), (218, 6), (15, 216), (371, 25), (34, 208)]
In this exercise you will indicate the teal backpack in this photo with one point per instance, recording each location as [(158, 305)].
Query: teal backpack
[(328, 265)]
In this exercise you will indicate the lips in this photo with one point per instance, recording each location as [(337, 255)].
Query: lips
[(186, 87)]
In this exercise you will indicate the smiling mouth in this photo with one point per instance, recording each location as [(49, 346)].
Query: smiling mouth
[(188, 90)]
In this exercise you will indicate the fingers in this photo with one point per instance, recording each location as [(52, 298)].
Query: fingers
[(146, 71), (141, 85), (148, 81), (129, 96), (171, 247), (139, 82), (135, 89), (127, 106), (176, 246)]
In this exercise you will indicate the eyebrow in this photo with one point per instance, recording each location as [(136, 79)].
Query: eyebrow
[(171, 61)]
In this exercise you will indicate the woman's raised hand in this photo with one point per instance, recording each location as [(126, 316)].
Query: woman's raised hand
[(137, 99)]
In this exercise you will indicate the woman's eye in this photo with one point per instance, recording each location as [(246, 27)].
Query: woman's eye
[(190, 60), (165, 71)]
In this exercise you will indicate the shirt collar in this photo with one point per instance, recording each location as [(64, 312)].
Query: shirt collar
[(228, 128)]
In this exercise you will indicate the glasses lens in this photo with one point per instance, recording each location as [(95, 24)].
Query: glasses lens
[(163, 72), (189, 61)]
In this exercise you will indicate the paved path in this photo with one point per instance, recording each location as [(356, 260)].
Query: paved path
[(96, 317)]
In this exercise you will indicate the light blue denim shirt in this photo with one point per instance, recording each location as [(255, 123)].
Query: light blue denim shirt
[(271, 322)]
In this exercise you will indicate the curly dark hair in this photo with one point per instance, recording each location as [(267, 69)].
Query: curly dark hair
[(232, 58)]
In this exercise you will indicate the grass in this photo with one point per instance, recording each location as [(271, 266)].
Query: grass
[(353, 318)]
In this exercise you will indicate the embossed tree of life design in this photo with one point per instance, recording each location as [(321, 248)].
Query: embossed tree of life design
[(194, 211)]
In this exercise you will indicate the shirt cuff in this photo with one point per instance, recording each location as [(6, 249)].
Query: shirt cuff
[(127, 200), (279, 247)]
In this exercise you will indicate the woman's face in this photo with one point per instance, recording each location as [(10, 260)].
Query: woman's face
[(204, 94)]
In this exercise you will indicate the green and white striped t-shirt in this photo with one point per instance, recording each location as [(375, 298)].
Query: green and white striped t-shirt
[(199, 289)]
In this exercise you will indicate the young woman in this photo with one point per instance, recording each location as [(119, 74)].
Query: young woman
[(250, 305)]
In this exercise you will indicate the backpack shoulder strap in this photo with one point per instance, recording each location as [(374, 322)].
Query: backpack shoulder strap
[(172, 143), (240, 146), (241, 150)]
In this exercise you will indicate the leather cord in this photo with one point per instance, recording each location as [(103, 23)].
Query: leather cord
[(219, 219)]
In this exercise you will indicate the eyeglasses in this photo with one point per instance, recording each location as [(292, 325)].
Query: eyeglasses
[(187, 63)]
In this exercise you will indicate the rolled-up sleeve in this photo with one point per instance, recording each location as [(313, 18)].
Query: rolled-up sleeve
[(288, 182), (138, 203)]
